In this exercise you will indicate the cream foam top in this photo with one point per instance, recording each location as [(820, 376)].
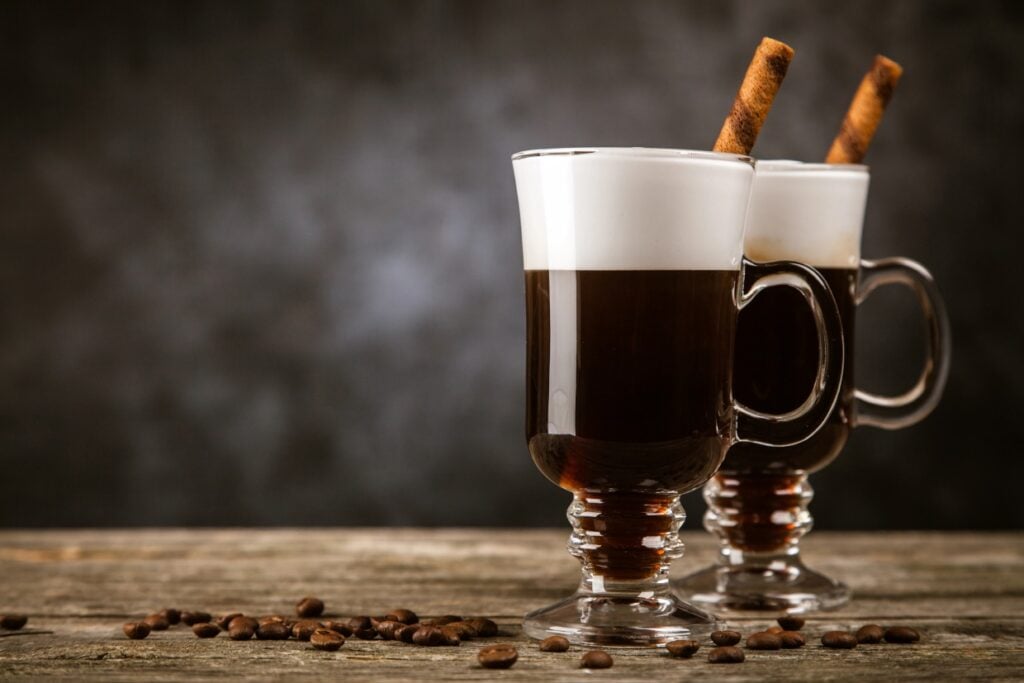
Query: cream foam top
[(811, 213), (632, 209)]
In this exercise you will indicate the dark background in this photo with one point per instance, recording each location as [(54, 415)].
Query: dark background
[(260, 262)]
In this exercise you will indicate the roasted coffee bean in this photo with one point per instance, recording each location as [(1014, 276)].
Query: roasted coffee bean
[(791, 623), (843, 640), (464, 629), (500, 656), (726, 655), (136, 630), (405, 634), (272, 630), (684, 649), (249, 622), (365, 633), (404, 616), (445, 620), (157, 622), (869, 634), (428, 636), (240, 630), (485, 628), (388, 630), (304, 628), (791, 639), (902, 635), (764, 641), (341, 627), (596, 659), (13, 622), (359, 623), (554, 644), (726, 638), (451, 636), (172, 615), (309, 607), (774, 629), (205, 629), (193, 618), (224, 621), (326, 639)]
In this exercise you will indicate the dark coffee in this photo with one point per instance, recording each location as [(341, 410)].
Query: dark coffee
[(628, 401)]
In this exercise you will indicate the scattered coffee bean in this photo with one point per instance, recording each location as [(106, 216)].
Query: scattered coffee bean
[(764, 641), (193, 618), (157, 622), (365, 633), (791, 623), (360, 624), (405, 635), (726, 655), (224, 621), (272, 619), (485, 628), (309, 607), (429, 636), (901, 634), (326, 639), (774, 629), (243, 621), (596, 659), (304, 628), (870, 634), (13, 622), (338, 627), (451, 636), (726, 638), (554, 644), (791, 639), (404, 616), (500, 656), (172, 615), (240, 630), (388, 630), (843, 640), (464, 629), (136, 630), (683, 649), (445, 620), (272, 630), (205, 629)]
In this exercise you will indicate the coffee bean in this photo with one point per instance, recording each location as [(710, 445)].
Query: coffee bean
[(272, 630), (726, 638), (243, 621), (791, 623), (304, 628), (157, 622), (445, 620), (428, 636), (902, 635), (485, 628), (869, 634), (726, 655), (172, 615), (404, 616), (500, 656), (272, 619), (843, 640), (774, 629), (338, 627), (240, 630), (791, 639), (360, 624), (451, 636), (596, 659), (464, 629), (193, 618), (205, 629), (554, 644), (405, 635), (764, 641), (13, 622), (326, 639), (136, 630), (683, 649), (388, 630), (224, 621), (365, 633), (309, 607)]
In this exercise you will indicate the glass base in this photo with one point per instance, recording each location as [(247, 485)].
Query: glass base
[(601, 619), (779, 586)]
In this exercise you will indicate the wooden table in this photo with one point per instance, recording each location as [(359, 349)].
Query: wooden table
[(963, 591)]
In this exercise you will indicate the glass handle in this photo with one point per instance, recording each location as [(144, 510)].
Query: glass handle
[(797, 425), (910, 407)]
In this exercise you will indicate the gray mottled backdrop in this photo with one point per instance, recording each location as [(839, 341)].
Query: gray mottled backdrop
[(259, 263)]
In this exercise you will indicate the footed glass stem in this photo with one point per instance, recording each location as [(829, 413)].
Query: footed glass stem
[(625, 542), (760, 520)]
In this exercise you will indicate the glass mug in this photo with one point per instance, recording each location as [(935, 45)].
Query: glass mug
[(634, 276), (757, 503)]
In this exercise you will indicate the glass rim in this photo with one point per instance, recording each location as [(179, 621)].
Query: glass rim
[(637, 153), (795, 166)]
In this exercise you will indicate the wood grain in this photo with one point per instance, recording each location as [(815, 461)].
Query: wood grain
[(965, 592)]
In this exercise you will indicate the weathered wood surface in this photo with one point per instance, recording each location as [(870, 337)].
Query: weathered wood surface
[(965, 592)]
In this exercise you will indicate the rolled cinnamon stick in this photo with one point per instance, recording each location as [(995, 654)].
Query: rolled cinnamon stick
[(865, 112), (753, 100)]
